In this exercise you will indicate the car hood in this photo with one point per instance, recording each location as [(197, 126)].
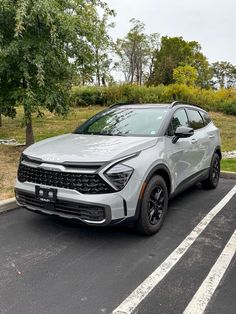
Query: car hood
[(87, 148)]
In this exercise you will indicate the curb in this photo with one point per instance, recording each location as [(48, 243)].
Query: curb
[(228, 175), (7, 205)]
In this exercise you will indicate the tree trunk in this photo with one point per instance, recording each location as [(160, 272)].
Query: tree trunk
[(141, 73), (151, 67), (132, 63), (0, 120), (132, 77), (29, 134), (104, 81), (141, 61), (98, 68)]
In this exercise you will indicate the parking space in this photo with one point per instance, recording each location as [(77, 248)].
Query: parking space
[(54, 266)]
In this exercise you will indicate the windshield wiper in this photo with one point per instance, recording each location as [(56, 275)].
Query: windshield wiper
[(106, 134), (103, 134)]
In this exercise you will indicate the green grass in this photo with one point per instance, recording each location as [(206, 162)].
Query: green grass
[(227, 126), (228, 165), (9, 158), (47, 126)]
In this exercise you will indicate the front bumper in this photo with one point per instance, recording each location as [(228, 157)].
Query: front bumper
[(85, 212), (92, 209)]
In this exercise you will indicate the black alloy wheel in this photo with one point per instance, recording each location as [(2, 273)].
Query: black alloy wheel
[(214, 174), (154, 206), (216, 171)]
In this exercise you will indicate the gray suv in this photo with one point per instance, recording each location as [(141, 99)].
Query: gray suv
[(122, 165)]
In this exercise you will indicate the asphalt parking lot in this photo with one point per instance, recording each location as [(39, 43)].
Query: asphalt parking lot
[(51, 266)]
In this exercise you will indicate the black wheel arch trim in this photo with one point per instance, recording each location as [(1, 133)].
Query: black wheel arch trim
[(155, 169), (218, 149)]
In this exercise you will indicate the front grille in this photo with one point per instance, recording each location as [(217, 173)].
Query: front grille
[(82, 211), (86, 183)]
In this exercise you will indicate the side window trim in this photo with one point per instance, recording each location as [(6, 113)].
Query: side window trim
[(204, 120)]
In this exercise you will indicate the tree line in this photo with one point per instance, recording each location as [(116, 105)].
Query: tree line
[(150, 59), (48, 46)]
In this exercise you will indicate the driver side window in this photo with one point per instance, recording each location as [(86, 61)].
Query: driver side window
[(179, 119)]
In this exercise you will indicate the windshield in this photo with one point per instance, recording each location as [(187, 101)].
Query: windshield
[(125, 122)]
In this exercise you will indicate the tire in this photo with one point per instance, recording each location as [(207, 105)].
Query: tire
[(154, 206), (214, 174)]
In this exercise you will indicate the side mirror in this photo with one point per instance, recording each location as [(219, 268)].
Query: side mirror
[(182, 132)]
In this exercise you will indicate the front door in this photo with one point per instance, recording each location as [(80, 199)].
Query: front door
[(183, 154)]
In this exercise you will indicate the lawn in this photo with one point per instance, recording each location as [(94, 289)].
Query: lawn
[(227, 126), (48, 126), (228, 165), (51, 125)]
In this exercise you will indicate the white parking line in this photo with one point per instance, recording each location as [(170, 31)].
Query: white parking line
[(200, 300), (141, 292)]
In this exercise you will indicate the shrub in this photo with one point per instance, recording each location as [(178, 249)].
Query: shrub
[(223, 100)]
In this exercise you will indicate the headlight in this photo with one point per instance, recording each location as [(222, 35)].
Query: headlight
[(119, 175)]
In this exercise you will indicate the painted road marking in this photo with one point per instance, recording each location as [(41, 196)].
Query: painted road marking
[(141, 292), (200, 300)]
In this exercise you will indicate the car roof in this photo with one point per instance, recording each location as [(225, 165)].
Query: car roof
[(175, 104)]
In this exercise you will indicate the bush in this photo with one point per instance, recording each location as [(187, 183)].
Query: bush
[(223, 100)]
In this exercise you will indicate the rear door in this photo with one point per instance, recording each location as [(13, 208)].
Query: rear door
[(201, 141)]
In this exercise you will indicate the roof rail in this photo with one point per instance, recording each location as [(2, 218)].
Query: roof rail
[(173, 104), (119, 104), (178, 102)]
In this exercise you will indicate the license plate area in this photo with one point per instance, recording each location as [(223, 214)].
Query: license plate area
[(46, 195)]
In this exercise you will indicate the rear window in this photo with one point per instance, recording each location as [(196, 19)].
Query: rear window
[(205, 117), (195, 119)]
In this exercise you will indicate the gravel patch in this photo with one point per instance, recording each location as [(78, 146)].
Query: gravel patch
[(11, 142), (229, 155)]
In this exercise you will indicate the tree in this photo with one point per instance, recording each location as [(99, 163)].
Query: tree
[(102, 43), (185, 75), (39, 43), (153, 44), (224, 74), (204, 72), (96, 57), (136, 53), (174, 52)]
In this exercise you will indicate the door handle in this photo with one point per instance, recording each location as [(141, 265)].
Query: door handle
[(193, 141), (211, 136)]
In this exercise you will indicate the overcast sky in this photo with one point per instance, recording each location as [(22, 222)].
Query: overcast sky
[(210, 22)]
